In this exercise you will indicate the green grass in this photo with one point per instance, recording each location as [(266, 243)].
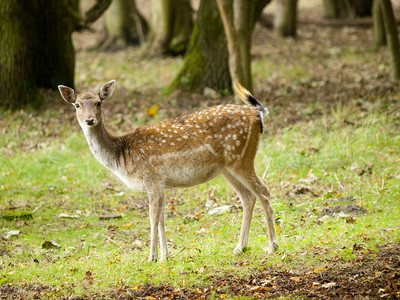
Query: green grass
[(97, 255)]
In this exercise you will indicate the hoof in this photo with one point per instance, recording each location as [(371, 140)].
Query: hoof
[(238, 250), (152, 259), (272, 248)]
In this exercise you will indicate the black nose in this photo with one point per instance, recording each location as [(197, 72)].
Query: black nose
[(90, 121)]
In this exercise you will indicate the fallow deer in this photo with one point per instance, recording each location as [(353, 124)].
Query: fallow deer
[(182, 152)]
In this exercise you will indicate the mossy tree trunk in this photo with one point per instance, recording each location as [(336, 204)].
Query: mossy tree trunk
[(17, 84), (124, 25), (285, 20), (37, 49), (391, 36), (337, 9), (206, 63), (170, 28)]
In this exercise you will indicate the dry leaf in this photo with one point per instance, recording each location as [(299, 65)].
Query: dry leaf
[(152, 111), (320, 270)]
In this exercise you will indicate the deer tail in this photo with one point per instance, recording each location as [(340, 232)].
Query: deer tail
[(248, 98)]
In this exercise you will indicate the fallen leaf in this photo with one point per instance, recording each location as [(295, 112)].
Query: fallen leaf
[(350, 220), (320, 270), (109, 217), (296, 278), (89, 276), (66, 216), (254, 288), (219, 210), (11, 233), (152, 111), (328, 285), (315, 284), (50, 245), (129, 225)]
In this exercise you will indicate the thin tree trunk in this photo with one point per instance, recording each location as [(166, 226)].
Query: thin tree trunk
[(124, 25), (285, 18), (338, 9), (238, 25), (392, 37), (182, 27), (379, 26), (171, 25)]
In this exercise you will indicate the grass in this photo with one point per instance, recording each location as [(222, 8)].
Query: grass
[(349, 154), (97, 255)]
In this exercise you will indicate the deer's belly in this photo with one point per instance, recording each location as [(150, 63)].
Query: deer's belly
[(182, 176)]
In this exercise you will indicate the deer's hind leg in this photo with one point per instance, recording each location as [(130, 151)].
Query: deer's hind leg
[(250, 180), (248, 201)]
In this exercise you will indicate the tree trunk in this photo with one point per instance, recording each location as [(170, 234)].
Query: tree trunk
[(52, 51), (363, 8), (237, 19), (17, 83), (337, 9), (285, 18), (379, 26), (36, 47), (171, 26), (392, 37), (206, 63), (124, 25)]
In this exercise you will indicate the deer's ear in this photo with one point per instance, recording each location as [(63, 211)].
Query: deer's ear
[(107, 90), (67, 93)]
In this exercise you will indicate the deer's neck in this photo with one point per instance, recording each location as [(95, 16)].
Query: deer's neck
[(103, 145)]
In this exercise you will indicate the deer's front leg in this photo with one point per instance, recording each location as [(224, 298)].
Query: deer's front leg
[(161, 233), (156, 210)]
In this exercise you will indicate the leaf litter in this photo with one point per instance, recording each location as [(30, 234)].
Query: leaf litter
[(373, 274)]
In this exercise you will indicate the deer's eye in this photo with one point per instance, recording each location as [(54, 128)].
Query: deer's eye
[(98, 103), (76, 105)]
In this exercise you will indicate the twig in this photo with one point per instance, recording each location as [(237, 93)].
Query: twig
[(337, 179)]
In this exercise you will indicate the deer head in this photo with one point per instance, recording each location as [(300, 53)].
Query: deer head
[(88, 104)]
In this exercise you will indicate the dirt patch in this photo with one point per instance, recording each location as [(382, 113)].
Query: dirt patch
[(374, 274), (351, 209)]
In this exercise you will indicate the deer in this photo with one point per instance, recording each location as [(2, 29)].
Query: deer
[(182, 152)]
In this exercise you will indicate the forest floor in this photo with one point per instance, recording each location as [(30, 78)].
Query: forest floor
[(332, 142), (373, 275)]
